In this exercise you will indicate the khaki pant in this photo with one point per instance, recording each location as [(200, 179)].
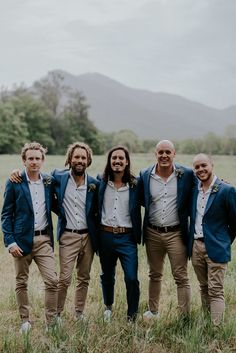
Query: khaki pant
[(74, 248), (42, 254), (157, 246), (211, 279)]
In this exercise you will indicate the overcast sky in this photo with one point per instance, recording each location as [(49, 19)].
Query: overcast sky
[(185, 47)]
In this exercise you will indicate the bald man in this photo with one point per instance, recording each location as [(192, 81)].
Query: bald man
[(212, 230), (166, 192)]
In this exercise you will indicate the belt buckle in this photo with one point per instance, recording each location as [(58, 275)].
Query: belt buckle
[(166, 229), (115, 230)]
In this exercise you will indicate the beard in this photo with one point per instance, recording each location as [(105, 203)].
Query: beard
[(78, 172)]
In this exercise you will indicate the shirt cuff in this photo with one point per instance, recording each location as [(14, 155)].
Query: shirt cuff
[(11, 245)]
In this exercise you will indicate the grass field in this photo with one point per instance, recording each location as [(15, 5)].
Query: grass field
[(167, 335)]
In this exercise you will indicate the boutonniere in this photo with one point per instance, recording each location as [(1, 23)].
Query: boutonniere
[(91, 187), (214, 189), (133, 183), (47, 180), (179, 172)]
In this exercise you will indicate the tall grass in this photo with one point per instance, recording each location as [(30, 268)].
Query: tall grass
[(170, 334)]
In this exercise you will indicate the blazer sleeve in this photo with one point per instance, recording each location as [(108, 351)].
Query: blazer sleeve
[(232, 213), (7, 215)]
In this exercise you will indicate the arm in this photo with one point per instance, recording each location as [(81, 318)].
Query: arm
[(7, 218), (232, 213)]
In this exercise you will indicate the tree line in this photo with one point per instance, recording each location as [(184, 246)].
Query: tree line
[(55, 115)]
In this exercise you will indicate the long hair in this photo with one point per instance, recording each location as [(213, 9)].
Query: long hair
[(108, 173), (71, 149)]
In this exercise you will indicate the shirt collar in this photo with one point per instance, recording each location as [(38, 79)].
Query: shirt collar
[(85, 178), (110, 183), (210, 187), (39, 181), (153, 171)]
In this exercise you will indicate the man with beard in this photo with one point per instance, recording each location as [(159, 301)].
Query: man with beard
[(120, 219), (76, 196), (166, 191), (76, 193), (212, 231)]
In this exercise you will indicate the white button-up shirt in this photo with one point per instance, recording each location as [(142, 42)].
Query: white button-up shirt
[(37, 193), (163, 206), (201, 206), (74, 204), (115, 209)]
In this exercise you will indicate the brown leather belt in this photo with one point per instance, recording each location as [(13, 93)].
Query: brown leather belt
[(116, 230), (165, 229), (41, 232), (77, 231)]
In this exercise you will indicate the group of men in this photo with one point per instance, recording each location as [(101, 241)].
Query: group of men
[(103, 215)]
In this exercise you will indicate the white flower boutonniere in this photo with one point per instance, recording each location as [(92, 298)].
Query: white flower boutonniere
[(214, 189), (47, 180), (179, 172), (91, 187)]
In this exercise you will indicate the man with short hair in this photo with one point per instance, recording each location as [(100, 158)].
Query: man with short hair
[(76, 193), (120, 229), (166, 191), (212, 231), (28, 231)]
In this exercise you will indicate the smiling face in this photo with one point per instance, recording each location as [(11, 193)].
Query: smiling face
[(165, 154), (118, 161), (79, 161), (203, 168)]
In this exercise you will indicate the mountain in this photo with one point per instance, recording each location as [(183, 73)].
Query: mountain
[(114, 106)]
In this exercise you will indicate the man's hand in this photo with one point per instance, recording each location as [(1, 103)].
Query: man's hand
[(16, 251), (15, 176)]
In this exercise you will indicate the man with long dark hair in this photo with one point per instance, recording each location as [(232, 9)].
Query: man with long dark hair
[(120, 219)]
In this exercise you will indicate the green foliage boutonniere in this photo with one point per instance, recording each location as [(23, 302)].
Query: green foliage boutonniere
[(133, 183), (214, 188), (179, 172), (47, 180), (91, 187)]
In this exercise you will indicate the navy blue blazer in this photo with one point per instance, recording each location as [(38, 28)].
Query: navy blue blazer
[(61, 179), (134, 206), (185, 182), (18, 214), (219, 221)]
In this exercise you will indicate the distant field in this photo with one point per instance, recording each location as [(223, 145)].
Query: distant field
[(169, 335), (225, 166)]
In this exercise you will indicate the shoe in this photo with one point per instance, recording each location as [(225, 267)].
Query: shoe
[(132, 318), (149, 315), (107, 315), (25, 327), (58, 320)]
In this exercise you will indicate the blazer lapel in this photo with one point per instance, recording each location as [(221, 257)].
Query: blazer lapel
[(180, 183), (194, 203), (131, 197), (102, 188), (147, 195), (46, 193), (212, 195), (64, 181), (26, 191), (89, 196)]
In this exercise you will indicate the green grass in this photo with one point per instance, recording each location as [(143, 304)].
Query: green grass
[(168, 335)]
